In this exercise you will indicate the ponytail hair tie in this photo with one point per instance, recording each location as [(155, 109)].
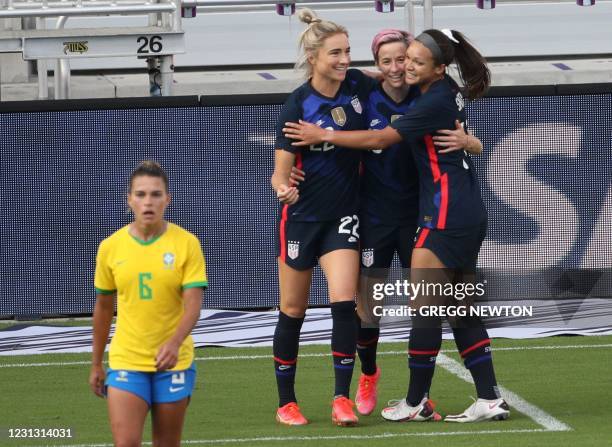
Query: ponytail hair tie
[(448, 33)]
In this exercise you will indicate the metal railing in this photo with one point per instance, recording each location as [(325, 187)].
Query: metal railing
[(84, 8), (165, 13)]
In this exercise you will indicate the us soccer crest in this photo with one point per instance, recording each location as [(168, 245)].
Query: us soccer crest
[(394, 117), (459, 101), (339, 116), (293, 249), (168, 261), (367, 257), (356, 105)]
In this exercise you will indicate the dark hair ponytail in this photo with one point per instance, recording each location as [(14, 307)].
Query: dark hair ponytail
[(472, 65)]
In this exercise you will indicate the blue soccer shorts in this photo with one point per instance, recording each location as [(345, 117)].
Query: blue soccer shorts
[(154, 387)]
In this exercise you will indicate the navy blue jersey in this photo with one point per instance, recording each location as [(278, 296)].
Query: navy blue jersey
[(449, 190), (331, 187), (389, 188)]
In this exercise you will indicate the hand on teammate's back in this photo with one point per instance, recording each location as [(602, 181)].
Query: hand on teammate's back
[(451, 140), (297, 176), (287, 194)]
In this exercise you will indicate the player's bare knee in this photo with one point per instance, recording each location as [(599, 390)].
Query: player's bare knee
[(293, 310), (345, 292), (339, 298)]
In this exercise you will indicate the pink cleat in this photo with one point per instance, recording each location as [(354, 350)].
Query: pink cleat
[(290, 414), (342, 412), (367, 397)]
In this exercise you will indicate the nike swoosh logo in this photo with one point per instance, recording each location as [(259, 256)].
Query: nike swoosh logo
[(120, 262), (346, 361), (174, 390), (284, 367), (413, 415), (491, 406)]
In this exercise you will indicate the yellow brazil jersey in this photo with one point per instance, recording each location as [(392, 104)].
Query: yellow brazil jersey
[(149, 278)]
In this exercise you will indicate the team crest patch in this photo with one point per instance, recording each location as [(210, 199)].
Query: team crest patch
[(339, 116), (367, 257), (293, 249), (460, 102), (123, 376), (356, 105), (394, 117), (168, 261)]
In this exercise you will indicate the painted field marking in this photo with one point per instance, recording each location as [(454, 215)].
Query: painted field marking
[(317, 354), (331, 437), (539, 416)]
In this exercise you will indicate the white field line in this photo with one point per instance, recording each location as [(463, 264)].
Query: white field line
[(548, 422), (317, 354), (538, 415), (332, 437)]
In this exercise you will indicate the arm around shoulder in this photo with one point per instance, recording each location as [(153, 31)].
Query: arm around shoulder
[(364, 139)]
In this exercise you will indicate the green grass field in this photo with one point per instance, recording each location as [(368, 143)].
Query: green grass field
[(235, 398)]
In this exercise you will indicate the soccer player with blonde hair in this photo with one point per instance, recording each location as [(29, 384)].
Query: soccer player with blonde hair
[(318, 220)]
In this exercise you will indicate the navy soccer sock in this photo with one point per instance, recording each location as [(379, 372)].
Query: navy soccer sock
[(367, 343), (343, 344), (475, 348), (285, 348), (423, 348)]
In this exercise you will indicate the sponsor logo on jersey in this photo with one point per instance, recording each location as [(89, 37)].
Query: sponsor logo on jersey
[(293, 249), (394, 117), (367, 257), (319, 123), (374, 122), (168, 259), (356, 105), (339, 116), (459, 101)]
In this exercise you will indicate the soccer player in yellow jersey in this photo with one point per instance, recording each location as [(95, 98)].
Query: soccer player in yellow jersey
[(156, 272)]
